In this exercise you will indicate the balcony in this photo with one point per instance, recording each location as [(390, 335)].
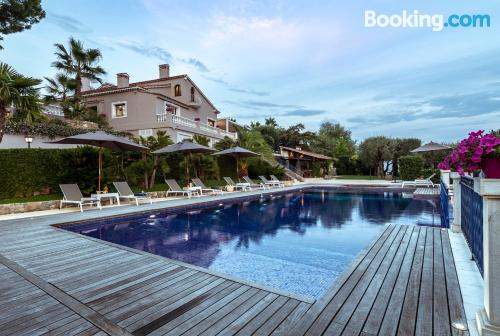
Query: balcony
[(196, 102), (190, 125)]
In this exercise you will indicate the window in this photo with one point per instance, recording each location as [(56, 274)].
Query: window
[(211, 122), (177, 90), (172, 109), (192, 94), (119, 109)]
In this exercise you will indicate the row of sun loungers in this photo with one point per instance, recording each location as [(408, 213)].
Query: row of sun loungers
[(73, 195)]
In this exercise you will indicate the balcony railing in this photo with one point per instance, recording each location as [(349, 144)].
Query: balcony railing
[(195, 126)]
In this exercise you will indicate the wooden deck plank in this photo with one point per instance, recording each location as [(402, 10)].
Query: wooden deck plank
[(292, 319), (151, 295), (424, 324), (359, 302), (229, 316), (277, 318), (106, 286), (387, 273), (264, 316), (441, 317), (390, 299), (202, 311), (180, 308), (357, 268), (247, 316), (189, 297), (455, 302), (326, 316)]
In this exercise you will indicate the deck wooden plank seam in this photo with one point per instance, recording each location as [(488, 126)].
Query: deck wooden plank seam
[(66, 300)]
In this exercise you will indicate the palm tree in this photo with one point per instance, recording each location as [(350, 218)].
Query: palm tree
[(78, 62), (59, 88), (18, 92)]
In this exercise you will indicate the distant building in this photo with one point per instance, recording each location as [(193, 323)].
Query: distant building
[(168, 103)]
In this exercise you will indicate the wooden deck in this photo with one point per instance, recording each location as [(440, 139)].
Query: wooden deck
[(426, 193), (60, 283)]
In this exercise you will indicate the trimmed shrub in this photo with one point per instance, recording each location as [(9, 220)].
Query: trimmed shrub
[(26, 172), (430, 171), (411, 167)]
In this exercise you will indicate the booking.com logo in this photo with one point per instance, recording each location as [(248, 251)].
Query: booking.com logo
[(437, 22)]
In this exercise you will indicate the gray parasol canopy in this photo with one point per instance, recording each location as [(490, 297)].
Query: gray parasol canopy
[(187, 147), (102, 140), (237, 153), (430, 147)]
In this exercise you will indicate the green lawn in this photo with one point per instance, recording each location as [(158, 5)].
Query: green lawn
[(357, 177), (38, 198)]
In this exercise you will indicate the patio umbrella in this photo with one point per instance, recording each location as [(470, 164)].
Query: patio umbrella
[(237, 153), (102, 140), (430, 147), (186, 147)]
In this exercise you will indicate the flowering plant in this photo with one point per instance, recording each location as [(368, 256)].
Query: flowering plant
[(471, 151)]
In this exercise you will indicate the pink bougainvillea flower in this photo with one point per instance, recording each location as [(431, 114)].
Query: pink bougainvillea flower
[(470, 152)]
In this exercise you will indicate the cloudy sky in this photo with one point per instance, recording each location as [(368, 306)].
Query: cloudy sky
[(298, 61)]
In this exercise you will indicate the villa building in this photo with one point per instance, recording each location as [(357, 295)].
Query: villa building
[(173, 104)]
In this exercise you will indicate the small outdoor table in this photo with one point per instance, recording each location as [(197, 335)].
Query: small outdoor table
[(109, 196), (194, 189)]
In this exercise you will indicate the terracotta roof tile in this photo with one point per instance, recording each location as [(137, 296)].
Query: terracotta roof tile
[(303, 152)]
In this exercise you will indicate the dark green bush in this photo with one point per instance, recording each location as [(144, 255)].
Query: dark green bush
[(25, 172), (430, 171), (411, 167)]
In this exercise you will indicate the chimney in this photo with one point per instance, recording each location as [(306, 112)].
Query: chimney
[(122, 80), (85, 84), (164, 70)]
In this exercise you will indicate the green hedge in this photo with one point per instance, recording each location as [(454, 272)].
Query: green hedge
[(411, 167), (50, 129), (25, 172)]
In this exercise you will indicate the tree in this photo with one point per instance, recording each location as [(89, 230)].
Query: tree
[(18, 15), (59, 88), (78, 62), (402, 147), (18, 92), (336, 141), (271, 122), (374, 151), (150, 163)]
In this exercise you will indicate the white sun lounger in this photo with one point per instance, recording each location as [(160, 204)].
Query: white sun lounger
[(125, 192), (243, 186), (420, 182), (73, 195), (175, 189), (199, 183), (271, 183)]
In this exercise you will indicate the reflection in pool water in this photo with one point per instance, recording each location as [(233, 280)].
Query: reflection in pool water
[(296, 242)]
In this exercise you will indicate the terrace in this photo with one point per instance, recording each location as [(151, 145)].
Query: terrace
[(62, 282)]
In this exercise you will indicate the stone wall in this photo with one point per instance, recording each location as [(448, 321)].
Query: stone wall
[(13, 208)]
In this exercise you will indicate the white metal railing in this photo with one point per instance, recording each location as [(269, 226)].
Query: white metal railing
[(184, 121), (163, 117), (209, 129), (195, 125)]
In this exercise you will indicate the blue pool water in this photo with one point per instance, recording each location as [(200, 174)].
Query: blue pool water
[(298, 242)]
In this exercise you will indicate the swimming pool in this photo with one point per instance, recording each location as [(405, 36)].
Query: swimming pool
[(297, 242)]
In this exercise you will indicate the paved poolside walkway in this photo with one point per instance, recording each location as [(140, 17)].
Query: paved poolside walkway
[(60, 283)]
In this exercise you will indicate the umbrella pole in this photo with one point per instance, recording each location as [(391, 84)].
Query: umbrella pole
[(187, 168), (100, 170), (237, 169)]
